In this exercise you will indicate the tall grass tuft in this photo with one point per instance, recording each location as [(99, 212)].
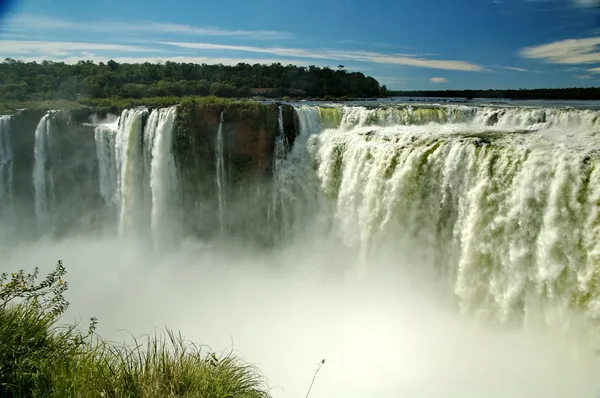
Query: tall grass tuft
[(40, 359)]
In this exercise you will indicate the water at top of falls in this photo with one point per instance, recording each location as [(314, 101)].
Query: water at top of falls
[(476, 118), (220, 173), (163, 177)]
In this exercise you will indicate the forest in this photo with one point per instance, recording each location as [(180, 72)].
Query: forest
[(574, 93), (32, 81)]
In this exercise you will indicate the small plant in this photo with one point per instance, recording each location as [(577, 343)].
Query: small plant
[(315, 376), (48, 295)]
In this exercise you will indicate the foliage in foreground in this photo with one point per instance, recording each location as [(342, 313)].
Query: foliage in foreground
[(40, 359)]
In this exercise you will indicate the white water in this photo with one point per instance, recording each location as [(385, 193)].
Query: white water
[(512, 224), (163, 180), (42, 180), (130, 167), (294, 183), (505, 118), (105, 137), (6, 169), (220, 174)]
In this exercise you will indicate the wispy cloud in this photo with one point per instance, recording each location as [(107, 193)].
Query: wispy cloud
[(63, 47), (587, 3), (438, 80), (29, 23), (392, 80), (511, 68), (583, 77), (571, 51), (594, 70), (340, 55)]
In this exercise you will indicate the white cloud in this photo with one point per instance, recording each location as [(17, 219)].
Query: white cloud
[(511, 68), (340, 55), (594, 70), (587, 3), (438, 80), (515, 69), (572, 51), (391, 82), (57, 48), (28, 23), (497, 2), (583, 77)]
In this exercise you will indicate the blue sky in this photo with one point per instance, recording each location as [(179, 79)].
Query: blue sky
[(405, 44)]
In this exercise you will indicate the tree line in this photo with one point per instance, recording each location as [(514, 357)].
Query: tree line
[(573, 93), (32, 81)]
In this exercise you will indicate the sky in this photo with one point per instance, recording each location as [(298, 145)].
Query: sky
[(405, 44)]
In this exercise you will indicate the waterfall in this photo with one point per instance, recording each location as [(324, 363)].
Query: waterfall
[(276, 217), (294, 183), (42, 180), (502, 202), (130, 170), (220, 174), (148, 142), (6, 170), (105, 137), (511, 220), (163, 178)]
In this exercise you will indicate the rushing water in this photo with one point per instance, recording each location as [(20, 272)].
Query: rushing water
[(220, 176), (105, 137), (130, 168), (163, 179), (43, 180), (6, 169)]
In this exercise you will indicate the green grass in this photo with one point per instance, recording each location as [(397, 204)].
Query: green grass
[(38, 358)]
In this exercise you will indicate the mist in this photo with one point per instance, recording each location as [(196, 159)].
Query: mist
[(388, 331)]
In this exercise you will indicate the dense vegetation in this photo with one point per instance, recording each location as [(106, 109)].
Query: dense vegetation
[(39, 359), (31, 81), (592, 93)]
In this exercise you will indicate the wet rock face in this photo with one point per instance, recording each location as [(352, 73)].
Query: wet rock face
[(248, 133)]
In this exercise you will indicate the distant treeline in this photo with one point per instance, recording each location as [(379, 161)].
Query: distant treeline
[(31, 81), (521, 94)]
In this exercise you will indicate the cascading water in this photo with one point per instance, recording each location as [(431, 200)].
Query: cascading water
[(106, 138), (163, 178), (294, 185), (510, 219), (279, 155), (6, 169), (42, 180), (220, 174), (503, 201), (130, 169)]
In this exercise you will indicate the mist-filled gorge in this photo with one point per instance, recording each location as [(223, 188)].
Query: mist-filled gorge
[(423, 251)]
